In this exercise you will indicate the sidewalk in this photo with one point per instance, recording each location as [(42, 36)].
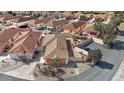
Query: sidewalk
[(119, 75)]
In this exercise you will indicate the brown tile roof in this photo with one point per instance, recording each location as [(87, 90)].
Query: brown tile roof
[(27, 44), (57, 48), (89, 28), (22, 19), (50, 37), (74, 25), (54, 23), (8, 34), (9, 17), (103, 16), (38, 21)]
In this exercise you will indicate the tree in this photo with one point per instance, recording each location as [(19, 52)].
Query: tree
[(115, 21), (84, 18), (95, 56), (104, 30), (119, 14), (99, 19), (108, 39), (99, 27), (9, 12)]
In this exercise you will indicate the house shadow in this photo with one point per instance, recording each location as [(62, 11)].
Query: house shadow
[(119, 45), (105, 65), (4, 54)]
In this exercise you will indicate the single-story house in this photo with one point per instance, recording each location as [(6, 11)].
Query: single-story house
[(58, 46), (7, 37), (25, 20), (56, 25), (88, 30), (74, 27), (8, 19), (26, 45), (39, 23)]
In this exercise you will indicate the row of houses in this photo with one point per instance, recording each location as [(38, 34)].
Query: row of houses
[(18, 43), (55, 25)]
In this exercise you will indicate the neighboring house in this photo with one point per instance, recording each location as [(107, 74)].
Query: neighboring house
[(74, 27), (7, 37), (88, 30), (8, 19), (101, 17), (59, 46), (39, 23), (26, 45), (56, 25), (22, 21)]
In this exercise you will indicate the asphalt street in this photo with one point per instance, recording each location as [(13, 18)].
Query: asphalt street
[(4, 77), (109, 64)]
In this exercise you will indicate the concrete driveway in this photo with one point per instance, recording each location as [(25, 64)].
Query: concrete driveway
[(108, 66)]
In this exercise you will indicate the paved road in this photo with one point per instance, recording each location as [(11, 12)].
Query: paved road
[(108, 66), (4, 77)]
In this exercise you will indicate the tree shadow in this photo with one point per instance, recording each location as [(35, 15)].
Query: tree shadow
[(119, 45), (121, 33), (105, 65)]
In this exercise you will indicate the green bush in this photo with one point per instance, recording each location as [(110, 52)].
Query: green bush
[(75, 37)]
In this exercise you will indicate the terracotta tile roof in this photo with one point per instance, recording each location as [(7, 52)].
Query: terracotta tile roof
[(27, 44), (57, 48), (74, 26), (22, 19), (89, 28), (103, 16), (8, 34), (49, 37), (55, 23), (38, 21), (9, 17)]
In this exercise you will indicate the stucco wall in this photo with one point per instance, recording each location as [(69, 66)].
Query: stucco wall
[(81, 50), (14, 55), (99, 41)]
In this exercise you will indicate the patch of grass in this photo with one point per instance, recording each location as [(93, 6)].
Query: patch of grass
[(75, 37)]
